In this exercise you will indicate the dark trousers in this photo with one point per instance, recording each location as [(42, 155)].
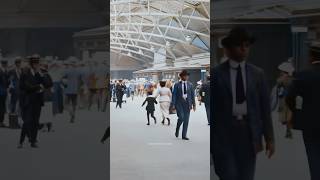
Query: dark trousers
[(207, 105), (30, 117), (234, 159), (13, 102), (152, 115), (312, 144), (183, 112), (119, 100), (2, 107)]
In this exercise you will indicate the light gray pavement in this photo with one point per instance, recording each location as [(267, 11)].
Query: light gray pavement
[(289, 161), (72, 152), (141, 152)]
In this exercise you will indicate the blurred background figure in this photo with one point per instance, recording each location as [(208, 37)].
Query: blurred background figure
[(4, 82), (279, 93)]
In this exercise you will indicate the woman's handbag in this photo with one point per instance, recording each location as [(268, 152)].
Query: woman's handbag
[(171, 110)]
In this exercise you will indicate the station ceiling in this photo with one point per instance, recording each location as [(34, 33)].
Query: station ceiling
[(172, 28)]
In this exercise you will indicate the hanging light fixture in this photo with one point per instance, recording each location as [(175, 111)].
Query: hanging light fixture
[(129, 54), (188, 38), (140, 51)]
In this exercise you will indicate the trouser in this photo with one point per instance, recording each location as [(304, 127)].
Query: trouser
[(13, 102), (57, 99), (183, 112), (152, 115), (71, 104), (93, 97), (2, 107), (119, 100), (207, 105), (312, 144), (234, 157), (30, 117)]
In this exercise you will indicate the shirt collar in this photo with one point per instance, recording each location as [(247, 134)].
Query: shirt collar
[(234, 64)]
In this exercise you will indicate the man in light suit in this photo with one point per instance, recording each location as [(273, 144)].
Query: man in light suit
[(303, 100), (241, 111), (183, 100)]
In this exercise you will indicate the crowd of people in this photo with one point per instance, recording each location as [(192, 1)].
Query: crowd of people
[(174, 97), (33, 82)]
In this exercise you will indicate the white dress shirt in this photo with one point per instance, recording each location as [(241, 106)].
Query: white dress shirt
[(184, 94), (238, 110)]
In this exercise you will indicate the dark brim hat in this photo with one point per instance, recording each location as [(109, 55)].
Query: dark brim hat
[(184, 73), (236, 37)]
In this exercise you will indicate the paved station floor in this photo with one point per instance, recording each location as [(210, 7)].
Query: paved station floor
[(141, 152), (71, 152)]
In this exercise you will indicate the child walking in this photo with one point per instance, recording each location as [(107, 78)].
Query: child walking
[(150, 107)]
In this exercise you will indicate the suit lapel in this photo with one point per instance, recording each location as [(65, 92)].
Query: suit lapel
[(226, 76), (249, 79)]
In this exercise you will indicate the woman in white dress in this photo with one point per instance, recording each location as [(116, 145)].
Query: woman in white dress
[(165, 95)]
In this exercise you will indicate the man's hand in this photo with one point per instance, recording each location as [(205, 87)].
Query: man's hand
[(173, 108), (194, 108), (270, 149)]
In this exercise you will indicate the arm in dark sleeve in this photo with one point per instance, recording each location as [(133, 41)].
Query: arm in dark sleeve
[(155, 101), (174, 94), (106, 135), (266, 110), (144, 102), (193, 96)]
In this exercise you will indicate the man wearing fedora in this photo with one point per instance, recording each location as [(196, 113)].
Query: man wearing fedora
[(183, 100), (32, 86), (303, 100), (241, 111)]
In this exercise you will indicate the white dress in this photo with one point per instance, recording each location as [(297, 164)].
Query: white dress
[(165, 95)]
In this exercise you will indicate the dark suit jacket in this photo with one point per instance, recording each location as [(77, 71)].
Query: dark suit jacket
[(259, 114), (177, 97), (30, 88), (307, 85), (205, 88), (4, 82), (151, 102)]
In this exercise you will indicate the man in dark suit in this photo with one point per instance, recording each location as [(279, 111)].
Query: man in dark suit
[(32, 86), (303, 100), (183, 100), (4, 82), (204, 93), (241, 111), (120, 89)]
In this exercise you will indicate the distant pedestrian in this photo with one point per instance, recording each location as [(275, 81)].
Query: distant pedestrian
[(150, 107)]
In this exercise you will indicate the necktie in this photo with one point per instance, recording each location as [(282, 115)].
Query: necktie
[(184, 88), (240, 94)]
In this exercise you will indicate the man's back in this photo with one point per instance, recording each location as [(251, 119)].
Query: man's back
[(306, 85)]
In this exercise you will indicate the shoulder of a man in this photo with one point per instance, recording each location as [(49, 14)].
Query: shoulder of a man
[(255, 69)]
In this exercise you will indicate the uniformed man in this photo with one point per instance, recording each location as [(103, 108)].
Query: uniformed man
[(3, 89), (32, 86)]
